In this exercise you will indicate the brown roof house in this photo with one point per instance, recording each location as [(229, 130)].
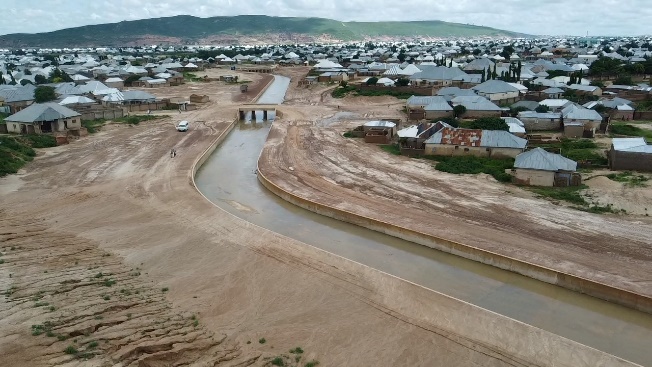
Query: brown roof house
[(538, 167), (40, 118), (481, 143)]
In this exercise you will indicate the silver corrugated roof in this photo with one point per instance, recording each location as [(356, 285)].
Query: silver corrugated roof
[(42, 112), (540, 159), (501, 139), (627, 143)]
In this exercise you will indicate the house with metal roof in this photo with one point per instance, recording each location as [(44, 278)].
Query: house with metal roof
[(586, 89), (17, 97), (497, 91), (580, 121), (40, 118), (436, 75), (129, 97), (438, 108), (481, 143), (633, 154), (477, 106), (538, 167), (540, 121), (451, 92)]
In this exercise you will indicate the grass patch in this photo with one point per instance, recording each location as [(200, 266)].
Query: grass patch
[(278, 361), (137, 119), (475, 165), (311, 364), (347, 134), (108, 282), (71, 350), (16, 151), (629, 179), (341, 92), (567, 194), (630, 130), (296, 350), (391, 149), (92, 126)]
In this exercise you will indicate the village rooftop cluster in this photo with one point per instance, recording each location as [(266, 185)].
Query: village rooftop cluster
[(543, 89)]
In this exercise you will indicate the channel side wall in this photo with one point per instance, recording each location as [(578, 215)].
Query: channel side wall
[(569, 281)]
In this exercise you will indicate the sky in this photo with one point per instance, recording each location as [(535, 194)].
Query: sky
[(540, 17)]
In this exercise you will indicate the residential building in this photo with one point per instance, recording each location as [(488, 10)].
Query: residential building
[(477, 106), (498, 91), (538, 167), (482, 143), (40, 118), (630, 154), (540, 121), (580, 122)]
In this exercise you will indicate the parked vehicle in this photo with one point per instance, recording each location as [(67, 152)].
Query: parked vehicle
[(182, 126)]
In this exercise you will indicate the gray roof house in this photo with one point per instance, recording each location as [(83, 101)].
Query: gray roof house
[(43, 118), (497, 90), (538, 167)]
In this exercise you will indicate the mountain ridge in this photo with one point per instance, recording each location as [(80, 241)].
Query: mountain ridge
[(187, 29)]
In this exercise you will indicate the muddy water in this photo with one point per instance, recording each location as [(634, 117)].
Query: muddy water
[(228, 178)]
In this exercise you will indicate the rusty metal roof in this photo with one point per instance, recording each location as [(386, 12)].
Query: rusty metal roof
[(462, 137)]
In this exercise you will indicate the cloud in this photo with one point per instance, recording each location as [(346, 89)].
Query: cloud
[(549, 17)]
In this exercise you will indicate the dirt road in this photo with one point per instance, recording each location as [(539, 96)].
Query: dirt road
[(111, 257)]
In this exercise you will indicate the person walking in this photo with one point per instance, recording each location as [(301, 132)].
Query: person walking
[(175, 153), (171, 152)]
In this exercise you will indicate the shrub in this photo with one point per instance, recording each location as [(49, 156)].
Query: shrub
[(71, 350), (475, 165), (262, 341), (489, 123), (278, 361)]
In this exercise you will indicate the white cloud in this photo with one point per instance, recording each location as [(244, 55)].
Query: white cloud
[(551, 17)]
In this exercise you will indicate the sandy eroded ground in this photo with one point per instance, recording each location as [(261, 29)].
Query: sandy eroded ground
[(109, 254)]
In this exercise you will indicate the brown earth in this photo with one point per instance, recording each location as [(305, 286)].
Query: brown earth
[(110, 233)]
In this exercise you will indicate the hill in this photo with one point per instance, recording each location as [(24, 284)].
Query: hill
[(243, 28)]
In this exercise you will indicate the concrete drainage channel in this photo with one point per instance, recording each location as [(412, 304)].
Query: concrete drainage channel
[(232, 185)]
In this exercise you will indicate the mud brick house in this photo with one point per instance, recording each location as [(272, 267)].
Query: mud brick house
[(538, 167), (630, 154)]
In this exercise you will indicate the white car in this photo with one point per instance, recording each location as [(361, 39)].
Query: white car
[(182, 126)]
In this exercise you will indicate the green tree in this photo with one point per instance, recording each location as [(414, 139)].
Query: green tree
[(131, 79), (40, 79), (44, 94), (459, 110), (624, 79), (402, 82), (27, 72), (489, 123), (25, 82), (2, 80), (542, 108), (372, 81)]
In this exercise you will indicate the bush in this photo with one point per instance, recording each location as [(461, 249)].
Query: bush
[(489, 123), (392, 149), (372, 81), (474, 165), (568, 194)]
